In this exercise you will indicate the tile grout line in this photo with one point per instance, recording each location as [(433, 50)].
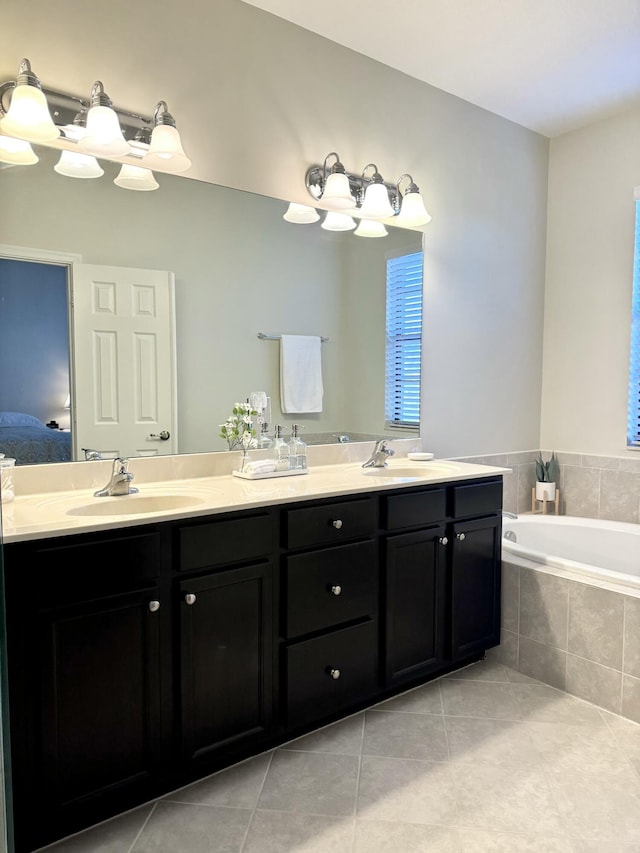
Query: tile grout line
[(143, 827), (355, 802), (255, 808), (624, 633)]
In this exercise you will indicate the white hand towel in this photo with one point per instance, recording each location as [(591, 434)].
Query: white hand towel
[(300, 373)]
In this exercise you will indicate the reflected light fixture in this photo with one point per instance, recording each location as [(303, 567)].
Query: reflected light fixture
[(18, 152), (136, 178), (412, 211), (103, 135), (376, 204), (301, 214), (370, 228), (74, 165), (28, 116), (368, 195), (165, 152), (334, 220)]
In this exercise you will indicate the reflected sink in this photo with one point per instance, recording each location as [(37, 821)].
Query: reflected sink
[(135, 505)]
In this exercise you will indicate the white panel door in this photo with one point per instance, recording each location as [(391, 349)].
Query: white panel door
[(124, 361)]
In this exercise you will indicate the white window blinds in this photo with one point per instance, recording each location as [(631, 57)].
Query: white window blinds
[(633, 419), (404, 337)]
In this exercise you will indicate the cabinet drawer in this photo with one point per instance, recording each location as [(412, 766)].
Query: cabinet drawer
[(312, 689), (325, 588), (415, 509), (330, 524), (477, 499), (87, 569), (225, 541)]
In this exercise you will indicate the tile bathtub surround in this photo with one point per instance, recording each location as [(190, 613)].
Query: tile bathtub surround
[(573, 636), (484, 760)]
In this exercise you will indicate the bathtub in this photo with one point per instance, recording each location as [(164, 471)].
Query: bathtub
[(606, 553)]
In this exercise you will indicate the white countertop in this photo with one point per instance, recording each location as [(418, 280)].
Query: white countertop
[(45, 514)]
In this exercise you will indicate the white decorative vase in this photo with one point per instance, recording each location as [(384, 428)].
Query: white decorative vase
[(545, 491)]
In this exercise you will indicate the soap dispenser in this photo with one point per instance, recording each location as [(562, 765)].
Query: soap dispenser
[(282, 450), (297, 449), (264, 439)]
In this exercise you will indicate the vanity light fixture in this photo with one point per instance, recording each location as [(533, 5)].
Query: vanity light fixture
[(336, 189), (30, 112), (300, 214), (370, 228), (335, 220), (28, 116), (375, 204), (370, 196), (412, 210), (17, 152), (103, 135), (165, 152)]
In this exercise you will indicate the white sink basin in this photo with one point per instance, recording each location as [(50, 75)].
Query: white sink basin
[(134, 505), (416, 471)]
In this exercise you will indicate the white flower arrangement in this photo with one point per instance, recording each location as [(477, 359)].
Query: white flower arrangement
[(238, 429)]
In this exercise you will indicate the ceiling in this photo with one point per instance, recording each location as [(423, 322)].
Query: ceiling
[(549, 65)]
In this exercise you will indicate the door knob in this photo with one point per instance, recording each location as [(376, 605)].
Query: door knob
[(443, 540), (460, 536), (163, 435)]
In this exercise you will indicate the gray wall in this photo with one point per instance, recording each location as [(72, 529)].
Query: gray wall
[(258, 100)]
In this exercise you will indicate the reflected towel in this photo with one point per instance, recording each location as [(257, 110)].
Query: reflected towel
[(300, 373)]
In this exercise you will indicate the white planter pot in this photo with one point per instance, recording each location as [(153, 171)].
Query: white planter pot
[(545, 491)]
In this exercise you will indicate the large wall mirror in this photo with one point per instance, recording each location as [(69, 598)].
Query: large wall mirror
[(239, 269)]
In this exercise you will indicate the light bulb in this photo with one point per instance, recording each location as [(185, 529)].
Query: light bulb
[(336, 221), (165, 151), (136, 178), (337, 192), (28, 116), (301, 214), (370, 228), (103, 135), (376, 204), (18, 152), (74, 165), (413, 213)]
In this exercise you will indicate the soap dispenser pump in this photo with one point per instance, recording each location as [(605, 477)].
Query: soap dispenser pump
[(282, 450), (297, 449)]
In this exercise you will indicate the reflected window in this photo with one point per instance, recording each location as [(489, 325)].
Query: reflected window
[(633, 420), (403, 341)]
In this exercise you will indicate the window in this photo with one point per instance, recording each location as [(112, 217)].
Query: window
[(633, 420), (404, 338)]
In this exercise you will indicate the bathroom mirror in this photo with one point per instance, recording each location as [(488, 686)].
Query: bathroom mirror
[(240, 269)]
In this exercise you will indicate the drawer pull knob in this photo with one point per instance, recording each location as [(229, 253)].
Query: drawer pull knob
[(154, 606), (190, 598), (443, 540), (336, 589), (337, 523), (460, 536), (335, 674)]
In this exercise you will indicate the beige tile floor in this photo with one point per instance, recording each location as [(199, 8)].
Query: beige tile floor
[(482, 761)]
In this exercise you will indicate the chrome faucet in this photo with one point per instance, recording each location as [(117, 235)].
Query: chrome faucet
[(378, 458), (508, 514), (120, 482)]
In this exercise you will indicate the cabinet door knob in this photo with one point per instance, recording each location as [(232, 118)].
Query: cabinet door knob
[(337, 523), (443, 540), (190, 598), (336, 589), (153, 606), (334, 673), (460, 536)]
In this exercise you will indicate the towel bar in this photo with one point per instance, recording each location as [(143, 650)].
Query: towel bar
[(265, 337)]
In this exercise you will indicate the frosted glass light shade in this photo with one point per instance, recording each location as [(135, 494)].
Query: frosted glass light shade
[(370, 228), (337, 193), (336, 221), (28, 116), (18, 152), (136, 178), (75, 165), (301, 214), (165, 152), (103, 136), (413, 213), (376, 204)]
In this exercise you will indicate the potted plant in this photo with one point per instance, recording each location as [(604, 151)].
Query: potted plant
[(546, 477)]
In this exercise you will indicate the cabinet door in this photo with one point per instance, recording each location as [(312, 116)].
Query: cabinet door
[(100, 721), (226, 646), (415, 604), (475, 586)]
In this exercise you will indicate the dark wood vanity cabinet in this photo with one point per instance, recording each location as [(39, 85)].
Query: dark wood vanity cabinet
[(143, 658)]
